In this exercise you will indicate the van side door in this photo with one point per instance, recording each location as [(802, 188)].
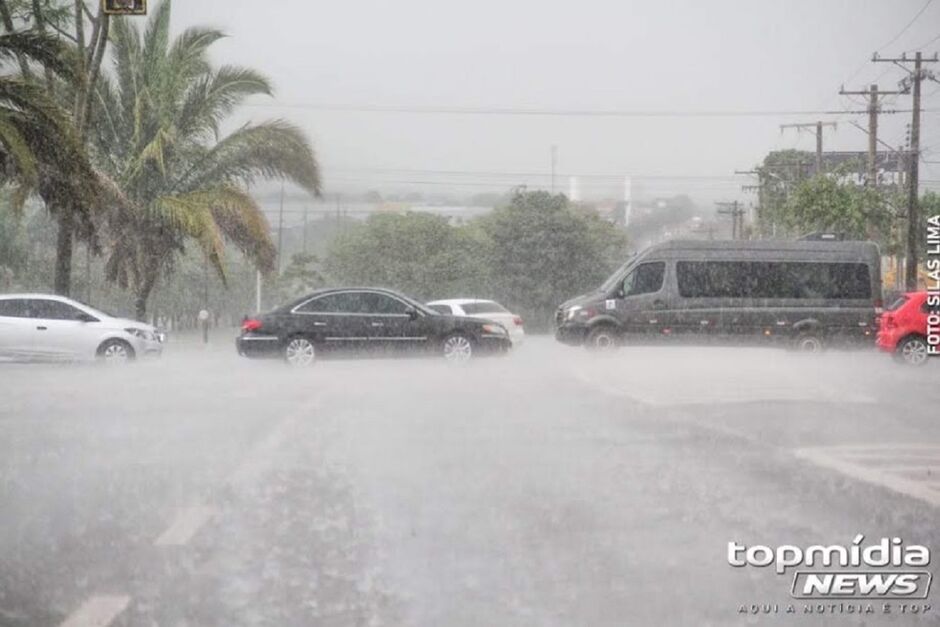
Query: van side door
[(644, 301)]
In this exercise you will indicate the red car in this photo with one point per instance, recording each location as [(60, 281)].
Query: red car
[(902, 329)]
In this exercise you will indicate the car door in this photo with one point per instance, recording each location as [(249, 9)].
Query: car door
[(61, 331), (392, 328), (17, 329), (335, 321), (643, 304)]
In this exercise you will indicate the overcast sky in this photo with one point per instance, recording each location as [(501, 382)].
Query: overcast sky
[(589, 55)]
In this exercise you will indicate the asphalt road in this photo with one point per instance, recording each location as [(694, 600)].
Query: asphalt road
[(550, 487)]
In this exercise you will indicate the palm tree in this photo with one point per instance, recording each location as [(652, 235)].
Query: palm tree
[(157, 134), (39, 149)]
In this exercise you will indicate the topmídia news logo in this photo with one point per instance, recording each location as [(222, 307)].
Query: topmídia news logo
[(838, 576)]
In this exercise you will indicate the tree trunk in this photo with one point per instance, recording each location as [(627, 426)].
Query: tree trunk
[(143, 294), (63, 251)]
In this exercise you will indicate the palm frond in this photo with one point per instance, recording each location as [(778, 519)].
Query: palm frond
[(216, 95), (40, 48), (273, 150)]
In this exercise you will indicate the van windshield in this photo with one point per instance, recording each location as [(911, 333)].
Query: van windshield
[(614, 278)]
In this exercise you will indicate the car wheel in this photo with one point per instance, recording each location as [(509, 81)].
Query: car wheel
[(115, 352), (913, 351), (602, 338), (457, 348), (808, 343), (300, 351)]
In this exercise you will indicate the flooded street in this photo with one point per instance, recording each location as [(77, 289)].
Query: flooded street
[(549, 487)]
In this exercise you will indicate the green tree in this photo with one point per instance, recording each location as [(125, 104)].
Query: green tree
[(418, 253), (39, 148), (302, 275), (157, 134), (73, 195), (544, 251), (825, 204)]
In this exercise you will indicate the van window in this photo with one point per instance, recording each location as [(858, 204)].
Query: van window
[(647, 278), (768, 279)]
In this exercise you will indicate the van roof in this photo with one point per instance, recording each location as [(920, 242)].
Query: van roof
[(767, 244)]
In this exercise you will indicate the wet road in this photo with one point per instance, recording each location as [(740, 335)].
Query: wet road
[(551, 487)]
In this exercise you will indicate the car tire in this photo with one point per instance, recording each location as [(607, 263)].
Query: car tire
[(115, 352), (602, 338), (300, 351), (457, 348), (913, 351), (809, 343)]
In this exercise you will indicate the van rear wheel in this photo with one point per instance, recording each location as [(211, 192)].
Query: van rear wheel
[(602, 338), (808, 343)]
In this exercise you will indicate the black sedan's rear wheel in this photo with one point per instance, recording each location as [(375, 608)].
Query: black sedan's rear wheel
[(457, 348), (300, 351)]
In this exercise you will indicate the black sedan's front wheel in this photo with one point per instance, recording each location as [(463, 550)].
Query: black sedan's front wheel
[(299, 351), (458, 348)]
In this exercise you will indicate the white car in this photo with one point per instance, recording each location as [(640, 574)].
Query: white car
[(484, 309), (55, 328)]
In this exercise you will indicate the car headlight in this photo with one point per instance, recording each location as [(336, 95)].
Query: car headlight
[(143, 334), (572, 312), (495, 329)]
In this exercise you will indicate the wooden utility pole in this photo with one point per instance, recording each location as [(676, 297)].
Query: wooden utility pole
[(554, 163), (818, 128), (737, 217), (280, 230), (306, 211), (913, 81), (874, 108)]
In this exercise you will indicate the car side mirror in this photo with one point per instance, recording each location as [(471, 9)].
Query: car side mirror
[(83, 317), (619, 293), (412, 313)]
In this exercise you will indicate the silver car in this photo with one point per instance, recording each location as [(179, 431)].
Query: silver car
[(54, 328)]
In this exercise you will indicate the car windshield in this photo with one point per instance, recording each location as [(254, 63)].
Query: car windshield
[(483, 307), (897, 303), (617, 275)]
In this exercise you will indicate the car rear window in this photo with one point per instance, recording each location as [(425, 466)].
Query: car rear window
[(483, 307), (897, 303)]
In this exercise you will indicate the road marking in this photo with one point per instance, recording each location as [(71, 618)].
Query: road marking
[(704, 393), (880, 465), (261, 456), (187, 522), (97, 611)]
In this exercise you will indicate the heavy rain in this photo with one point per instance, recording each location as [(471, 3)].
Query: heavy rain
[(479, 315)]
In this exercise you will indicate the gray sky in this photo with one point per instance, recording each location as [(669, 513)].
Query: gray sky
[(680, 56)]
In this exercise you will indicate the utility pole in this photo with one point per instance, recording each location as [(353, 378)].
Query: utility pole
[(554, 163), (737, 217), (306, 211), (280, 230), (913, 80), (873, 109), (818, 127)]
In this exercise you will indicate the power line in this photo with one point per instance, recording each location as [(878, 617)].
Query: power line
[(909, 24), (861, 67), (618, 175), (611, 113)]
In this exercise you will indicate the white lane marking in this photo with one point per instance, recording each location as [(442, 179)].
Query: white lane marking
[(841, 459), (703, 393), (188, 521), (261, 456), (97, 611)]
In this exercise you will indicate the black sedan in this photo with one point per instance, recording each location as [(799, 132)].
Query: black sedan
[(361, 321)]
